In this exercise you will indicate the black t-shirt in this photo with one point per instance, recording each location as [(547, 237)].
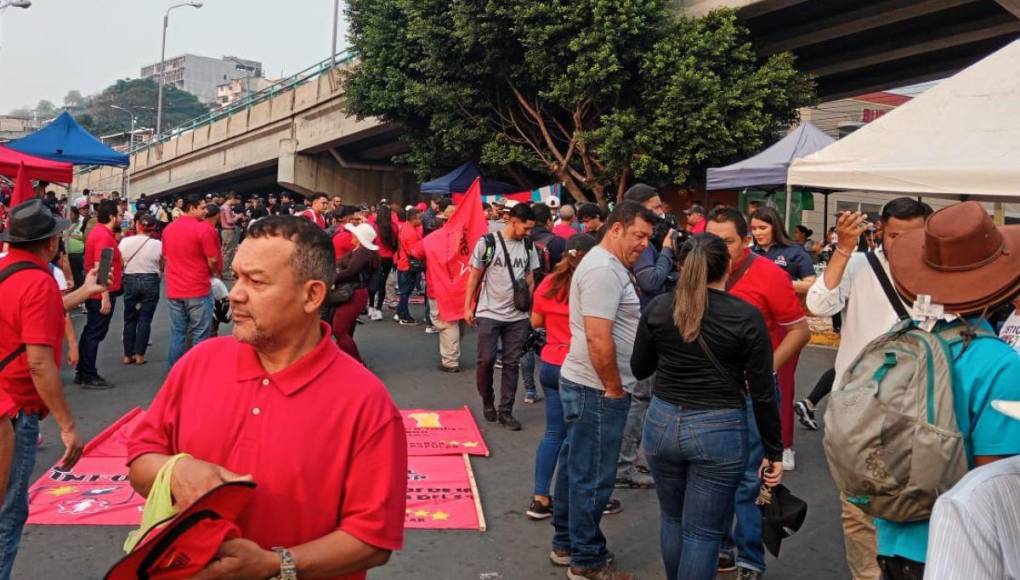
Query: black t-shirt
[(684, 375)]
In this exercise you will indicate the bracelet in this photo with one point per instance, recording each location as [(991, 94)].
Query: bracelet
[(840, 250), (288, 567)]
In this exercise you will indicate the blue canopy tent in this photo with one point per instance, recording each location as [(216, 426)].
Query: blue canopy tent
[(460, 179), (64, 140)]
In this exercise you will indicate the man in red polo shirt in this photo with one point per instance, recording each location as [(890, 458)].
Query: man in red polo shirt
[(281, 404), (100, 306), (31, 343), (316, 213), (191, 249), (768, 288)]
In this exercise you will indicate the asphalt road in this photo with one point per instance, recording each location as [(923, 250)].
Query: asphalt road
[(513, 548)]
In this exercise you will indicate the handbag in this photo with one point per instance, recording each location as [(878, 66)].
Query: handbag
[(415, 266), (522, 294), (342, 292), (159, 505), (535, 341)]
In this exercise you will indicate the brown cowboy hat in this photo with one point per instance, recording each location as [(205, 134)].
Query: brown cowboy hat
[(960, 259)]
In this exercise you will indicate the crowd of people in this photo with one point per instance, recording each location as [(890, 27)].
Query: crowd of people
[(665, 347)]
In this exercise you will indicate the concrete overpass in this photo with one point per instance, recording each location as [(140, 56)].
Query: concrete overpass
[(298, 137), (859, 46)]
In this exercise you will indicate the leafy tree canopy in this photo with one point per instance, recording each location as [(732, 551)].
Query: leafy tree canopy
[(138, 96), (594, 93)]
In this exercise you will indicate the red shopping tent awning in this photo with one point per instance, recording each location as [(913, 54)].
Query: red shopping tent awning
[(35, 168)]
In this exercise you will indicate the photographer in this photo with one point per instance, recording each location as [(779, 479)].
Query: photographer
[(655, 270)]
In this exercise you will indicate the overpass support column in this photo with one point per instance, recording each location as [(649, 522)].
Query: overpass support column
[(297, 172)]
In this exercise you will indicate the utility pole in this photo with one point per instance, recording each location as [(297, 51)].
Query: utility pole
[(162, 65)]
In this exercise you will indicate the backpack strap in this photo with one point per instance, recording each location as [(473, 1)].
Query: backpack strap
[(742, 391), (890, 292), (490, 249), (739, 273), (4, 275)]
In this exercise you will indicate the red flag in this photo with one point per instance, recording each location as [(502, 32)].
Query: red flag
[(448, 253), (22, 187)]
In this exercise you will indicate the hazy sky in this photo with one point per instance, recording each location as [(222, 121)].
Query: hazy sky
[(59, 45)]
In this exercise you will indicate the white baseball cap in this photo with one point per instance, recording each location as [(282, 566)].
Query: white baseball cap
[(365, 234)]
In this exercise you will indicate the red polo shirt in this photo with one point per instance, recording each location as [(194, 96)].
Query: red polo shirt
[(343, 243), (99, 238), (408, 238), (187, 246), (310, 215), (322, 438), (769, 289), (565, 231), (33, 313)]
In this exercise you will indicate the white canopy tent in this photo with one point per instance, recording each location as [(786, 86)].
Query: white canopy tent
[(961, 137)]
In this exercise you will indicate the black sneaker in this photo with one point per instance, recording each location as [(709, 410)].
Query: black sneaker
[(490, 414), (614, 507), (407, 322), (447, 369), (507, 421), (748, 574), (727, 563), (539, 511), (96, 383), (78, 379), (806, 415)]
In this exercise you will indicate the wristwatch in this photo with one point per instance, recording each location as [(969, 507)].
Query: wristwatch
[(288, 567)]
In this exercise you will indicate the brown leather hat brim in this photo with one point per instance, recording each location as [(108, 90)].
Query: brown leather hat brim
[(967, 292)]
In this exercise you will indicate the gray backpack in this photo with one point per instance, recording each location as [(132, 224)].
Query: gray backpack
[(891, 436)]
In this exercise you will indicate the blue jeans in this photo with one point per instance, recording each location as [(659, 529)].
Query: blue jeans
[(584, 482), (745, 539), (555, 429), (528, 360), (697, 458), (96, 327), (190, 318), (141, 295), (15, 505), (406, 283)]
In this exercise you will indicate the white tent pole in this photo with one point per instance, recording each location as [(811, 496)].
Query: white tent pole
[(789, 203)]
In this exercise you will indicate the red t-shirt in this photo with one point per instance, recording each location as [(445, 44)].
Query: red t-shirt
[(557, 323), (322, 439), (408, 238), (99, 238), (187, 247), (384, 250), (565, 231), (343, 244), (32, 313), (769, 289), (310, 215), (699, 228)]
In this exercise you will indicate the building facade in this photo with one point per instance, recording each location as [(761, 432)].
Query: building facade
[(238, 89), (17, 127), (202, 75)]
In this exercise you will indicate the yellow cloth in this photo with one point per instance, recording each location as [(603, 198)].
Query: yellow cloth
[(159, 505)]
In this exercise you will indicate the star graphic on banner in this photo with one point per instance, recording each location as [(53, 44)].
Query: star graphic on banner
[(62, 490), (421, 514), (470, 444), (442, 516)]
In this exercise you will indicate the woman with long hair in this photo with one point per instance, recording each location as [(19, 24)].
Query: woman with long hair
[(708, 349), (386, 238), (354, 269), (772, 242), (550, 310)]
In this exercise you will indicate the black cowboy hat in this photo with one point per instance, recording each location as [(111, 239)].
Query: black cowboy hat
[(32, 221), (781, 518)]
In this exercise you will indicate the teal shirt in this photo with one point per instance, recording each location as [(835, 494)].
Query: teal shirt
[(988, 370)]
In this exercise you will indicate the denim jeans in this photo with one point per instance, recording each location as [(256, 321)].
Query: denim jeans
[(141, 295), (584, 481), (190, 319), (697, 458), (555, 430), (490, 333), (14, 511), (93, 333), (528, 360), (745, 539), (641, 397), (406, 283)]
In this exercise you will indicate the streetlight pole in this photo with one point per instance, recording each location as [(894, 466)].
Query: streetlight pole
[(336, 27), (126, 177), (5, 4), (162, 64)]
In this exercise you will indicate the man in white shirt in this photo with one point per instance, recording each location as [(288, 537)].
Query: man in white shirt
[(851, 287)]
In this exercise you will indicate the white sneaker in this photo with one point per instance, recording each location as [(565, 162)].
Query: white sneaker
[(375, 314), (789, 459)]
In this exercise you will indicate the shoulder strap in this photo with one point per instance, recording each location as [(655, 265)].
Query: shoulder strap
[(135, 253), (890, 293), (490, 248), (718, 366), (506, 256), (4, 275), (736, 276)]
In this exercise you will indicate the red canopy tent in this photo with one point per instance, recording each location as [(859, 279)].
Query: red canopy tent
[(35, 168)]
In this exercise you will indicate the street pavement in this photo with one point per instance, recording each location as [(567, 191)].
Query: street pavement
[(513, 548)]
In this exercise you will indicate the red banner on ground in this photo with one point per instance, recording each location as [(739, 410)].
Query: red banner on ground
[(449, 432), (442, 495), (97, 491)]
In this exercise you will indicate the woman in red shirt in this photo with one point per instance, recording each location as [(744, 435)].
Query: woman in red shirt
[(550, 310), (386, 237)]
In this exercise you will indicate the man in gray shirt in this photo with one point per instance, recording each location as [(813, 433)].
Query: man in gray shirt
[(491, 284), (604, 315)]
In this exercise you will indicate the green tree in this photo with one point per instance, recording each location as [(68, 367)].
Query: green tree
[(46, 110), (138, 96), (593, 93), (73, 99)]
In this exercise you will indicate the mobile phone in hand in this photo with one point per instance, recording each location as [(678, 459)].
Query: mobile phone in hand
[(105, 262)]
